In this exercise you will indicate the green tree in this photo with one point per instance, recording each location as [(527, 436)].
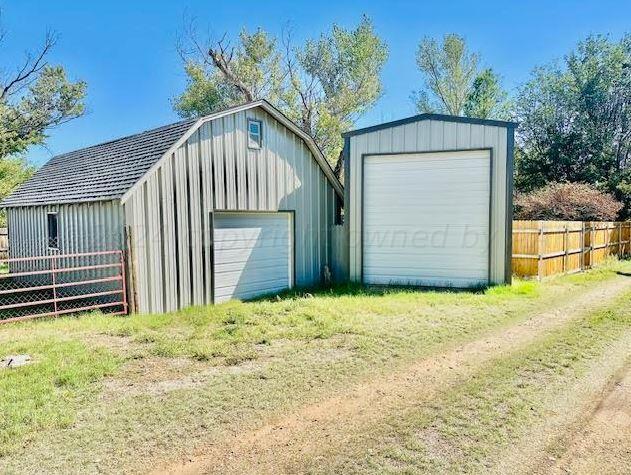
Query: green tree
[(453, 82), (220, 76), (35, 98), (575, 120), (486, 98), (323, 85), (13, 172)]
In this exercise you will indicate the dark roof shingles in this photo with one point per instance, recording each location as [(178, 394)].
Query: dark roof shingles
[(100, 172)]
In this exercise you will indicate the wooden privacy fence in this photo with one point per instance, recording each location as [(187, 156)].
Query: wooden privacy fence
[(545, 248)]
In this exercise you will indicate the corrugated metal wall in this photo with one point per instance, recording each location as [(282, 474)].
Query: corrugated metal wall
[(425, 136), (170, 214), (83, 227)]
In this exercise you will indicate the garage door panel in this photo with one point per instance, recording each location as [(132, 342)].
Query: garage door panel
[(252, 254), (244, 255), (411, 273), (245, 292), (426, 215), (270, 267), (414, 240), (460, 259), (429, 281), (408, 176), (439, 267), (426, 219), (253, 280)]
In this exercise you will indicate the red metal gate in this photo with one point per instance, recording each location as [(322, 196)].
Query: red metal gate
[(50, 286)]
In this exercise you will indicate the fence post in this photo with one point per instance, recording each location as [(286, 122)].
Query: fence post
[(53, 269), (123, 281), (582, 245), (565, 249), (131, 275), (591, 244), (540, 250)]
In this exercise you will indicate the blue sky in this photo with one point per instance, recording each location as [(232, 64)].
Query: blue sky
[(125, 50)]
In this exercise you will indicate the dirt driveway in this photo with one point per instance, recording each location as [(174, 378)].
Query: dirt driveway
[(312, 438)]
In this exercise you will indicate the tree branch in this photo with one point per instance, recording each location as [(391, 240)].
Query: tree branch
[(29, 69)]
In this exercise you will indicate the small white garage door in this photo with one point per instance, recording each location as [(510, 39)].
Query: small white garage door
[(252, 254), (426, 219)]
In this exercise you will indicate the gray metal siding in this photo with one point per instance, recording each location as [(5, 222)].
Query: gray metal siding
[(423, 136), (215, 170), (83, 227)]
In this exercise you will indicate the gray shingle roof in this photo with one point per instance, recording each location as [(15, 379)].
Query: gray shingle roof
[(100, 172)]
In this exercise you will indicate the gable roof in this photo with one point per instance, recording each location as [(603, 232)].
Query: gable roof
[(112, 170), (276, 114), (439, 117)]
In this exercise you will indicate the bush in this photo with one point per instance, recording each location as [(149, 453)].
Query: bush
[(567, 202)]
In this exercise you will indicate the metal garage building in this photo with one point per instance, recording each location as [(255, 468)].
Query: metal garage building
[(233, 205), (429, 201)]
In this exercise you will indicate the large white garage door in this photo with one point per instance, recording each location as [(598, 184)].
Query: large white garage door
[(426, 219), (252, 254)]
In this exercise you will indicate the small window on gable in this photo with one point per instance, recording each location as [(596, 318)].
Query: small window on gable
[(255, 135), (53, 231)]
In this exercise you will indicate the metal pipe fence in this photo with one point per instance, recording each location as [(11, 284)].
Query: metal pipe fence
[(61, 284)]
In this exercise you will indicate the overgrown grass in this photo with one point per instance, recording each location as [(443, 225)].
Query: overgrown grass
[(47, 392), (302, 346)]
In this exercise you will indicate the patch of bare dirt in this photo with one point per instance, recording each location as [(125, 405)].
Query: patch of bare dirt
[(157, 376), (121, 345), (281, 445), (603, 445), (585, 427)]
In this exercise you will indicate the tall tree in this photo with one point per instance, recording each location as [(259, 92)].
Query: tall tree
[(34, 98), (576, 120), (486, 98), (453, 82), (324, 85)]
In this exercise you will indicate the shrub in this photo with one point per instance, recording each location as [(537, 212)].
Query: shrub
[(567, 201)]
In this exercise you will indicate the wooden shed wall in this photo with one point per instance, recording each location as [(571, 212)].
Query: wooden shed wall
[(169, 215), (426, 136)]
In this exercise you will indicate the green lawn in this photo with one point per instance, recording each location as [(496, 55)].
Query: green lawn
[(109, 393)]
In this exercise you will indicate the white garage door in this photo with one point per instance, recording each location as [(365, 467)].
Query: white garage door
[(252, 254), (426, 219)]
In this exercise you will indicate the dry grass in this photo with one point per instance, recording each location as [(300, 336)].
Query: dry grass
[(112, 394)]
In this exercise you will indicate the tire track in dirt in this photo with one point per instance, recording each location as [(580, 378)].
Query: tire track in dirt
[(587, 426), (282, 444), (604, 444)]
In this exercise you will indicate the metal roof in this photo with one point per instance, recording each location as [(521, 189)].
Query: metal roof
[(440, 117), (100, 172), (272, 111)]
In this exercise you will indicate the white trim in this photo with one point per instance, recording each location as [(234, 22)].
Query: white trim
[(255, 144), (271, 110), (48, 246)]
